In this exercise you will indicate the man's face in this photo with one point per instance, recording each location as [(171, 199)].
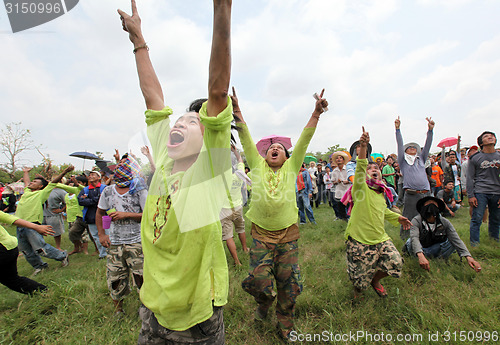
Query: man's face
[(93, 177), (373, 172), (449, 186), (412, 151), (327, 170), (275, 155), (339, 160), (36, 184), (432, 160), (452, 157), (390, 160), (358, 148), (186, 137), (489, 139)]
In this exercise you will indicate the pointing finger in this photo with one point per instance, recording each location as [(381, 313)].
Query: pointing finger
[(363, 127), (322, 92), (134, 7), (122, 14)]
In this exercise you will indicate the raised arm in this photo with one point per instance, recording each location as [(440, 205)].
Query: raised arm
[(57, 178), (319, 107), (399, 141), (238, 116), (220, 58), (145, 151), (26, 176), (428, 141), (149, 83), (363, 143)]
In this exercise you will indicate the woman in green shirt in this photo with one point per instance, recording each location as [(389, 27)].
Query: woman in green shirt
[(185, 268), (273, 212)]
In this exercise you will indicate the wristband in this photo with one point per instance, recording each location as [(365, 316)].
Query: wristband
[(145, 45)]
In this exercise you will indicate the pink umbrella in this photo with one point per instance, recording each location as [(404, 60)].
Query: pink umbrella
[(448, 142), (264, 143)]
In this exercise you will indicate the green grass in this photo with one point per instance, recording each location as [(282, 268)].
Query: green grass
[(77, 308)]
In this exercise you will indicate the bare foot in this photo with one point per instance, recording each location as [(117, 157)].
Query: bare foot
[(74, 251)]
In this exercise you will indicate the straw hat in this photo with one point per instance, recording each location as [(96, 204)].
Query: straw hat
[(340, 153)]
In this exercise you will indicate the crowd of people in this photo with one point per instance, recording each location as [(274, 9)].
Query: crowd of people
[(165, 232)]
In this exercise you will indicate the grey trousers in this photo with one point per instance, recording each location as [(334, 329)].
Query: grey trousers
[(410, 210)]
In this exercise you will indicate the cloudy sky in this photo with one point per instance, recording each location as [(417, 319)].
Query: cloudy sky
[(73, 82)]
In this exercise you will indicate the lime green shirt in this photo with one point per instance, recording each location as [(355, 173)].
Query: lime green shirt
[(185, 267), (6, 239), (30, 205), (73, 208), (366, 224), (235, 199), (274, 205)]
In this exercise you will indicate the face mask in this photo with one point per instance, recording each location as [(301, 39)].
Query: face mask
[(429, 210), (410, 159)]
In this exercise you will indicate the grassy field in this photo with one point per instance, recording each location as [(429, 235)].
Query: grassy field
[(451, 298)]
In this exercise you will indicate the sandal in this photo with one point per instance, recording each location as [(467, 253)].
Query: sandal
[(380, 291)]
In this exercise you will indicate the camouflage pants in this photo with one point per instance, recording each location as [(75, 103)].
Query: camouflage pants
[(364, 260), (209, 332), (278, 261), (123, 260)]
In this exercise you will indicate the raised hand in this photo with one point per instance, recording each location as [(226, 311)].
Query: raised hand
[(397, 123), (321, 103), (27, 169), (234, 99), (365, 137), (132, 25), (117, 155), (145, 151), (430, 123)]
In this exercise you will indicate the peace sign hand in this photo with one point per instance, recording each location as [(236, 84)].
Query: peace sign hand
[(132, 24)]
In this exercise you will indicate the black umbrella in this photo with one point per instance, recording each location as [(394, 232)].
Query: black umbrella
[(84, 155)]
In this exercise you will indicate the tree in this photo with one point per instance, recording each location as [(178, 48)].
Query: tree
[(14, 140)]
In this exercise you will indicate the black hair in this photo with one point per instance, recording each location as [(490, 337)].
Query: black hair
[(372, 163), (480, 138), (196, 105), (449, 181), (83, 179), (287, 154), (44, 181)]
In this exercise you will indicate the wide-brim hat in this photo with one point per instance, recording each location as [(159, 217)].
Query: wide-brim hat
[(421, 202), (415, 145), (352, 150), (341, 153)]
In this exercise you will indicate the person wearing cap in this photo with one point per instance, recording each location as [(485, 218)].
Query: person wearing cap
[(89, 199), (483, 187), (411, 159), (433, 236), (273, 213), (341, 182)]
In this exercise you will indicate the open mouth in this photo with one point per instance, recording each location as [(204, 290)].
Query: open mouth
[(274, 154), (176, 138)]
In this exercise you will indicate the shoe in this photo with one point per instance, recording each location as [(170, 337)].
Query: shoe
[(65, 261), (38, 270), (301, 223)]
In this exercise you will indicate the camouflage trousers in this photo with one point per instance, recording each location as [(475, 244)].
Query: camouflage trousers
[(278, 261), (209, 332), (124, 260), (364, 260)]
